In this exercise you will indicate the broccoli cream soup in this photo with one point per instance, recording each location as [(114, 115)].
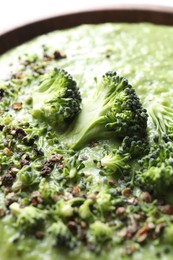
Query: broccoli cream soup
[(86, 145)]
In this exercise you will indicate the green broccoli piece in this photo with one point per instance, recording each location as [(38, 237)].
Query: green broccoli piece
[(134, 146), (26, 177), (167, 237), (103, 201), (116, 163), (124, 158), (72, 166), (65, 209), (29, 217), (61, 234), (156, 168), (48, 190), (99, 232), (84, 209), (114, 111), (57, 99), (162, 118)]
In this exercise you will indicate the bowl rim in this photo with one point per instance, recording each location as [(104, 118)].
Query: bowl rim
[(132, 13)]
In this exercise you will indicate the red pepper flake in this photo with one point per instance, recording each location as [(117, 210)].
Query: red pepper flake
[(120, 211), (7, 151), (128, 235), (111, 182), (55, 197), (87, 174), (46, 170), (167, 209), (7, 190), (36, 198), (91, 196), (142, 230), (47, 57), (24, 162), (10, 198), (83, 224), (142, 233), (58, 55), (72, 225), (145, 196), (41, 71), (7, 180), (17, 75), (130, 249), (126, 192), (76, 190), (55, 158), (159, 228), (60, 166), (132, 201), (39, 234), (17, 105)]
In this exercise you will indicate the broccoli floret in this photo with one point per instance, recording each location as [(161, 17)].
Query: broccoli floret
[(113, 111), (124, 158), (26, 177), (162, 117), (48, 190), (103, 201), (156, 168), (29, 217), (61, 234), (116, 163), (72, 166), (65, 209), (167, 237), (84, 209), (99, 232), (134, 146), (57, 99)]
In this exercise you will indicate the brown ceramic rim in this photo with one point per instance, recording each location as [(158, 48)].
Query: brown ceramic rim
[(156, 15)]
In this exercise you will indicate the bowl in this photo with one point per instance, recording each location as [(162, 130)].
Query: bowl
[(156, 15), (125, 13)]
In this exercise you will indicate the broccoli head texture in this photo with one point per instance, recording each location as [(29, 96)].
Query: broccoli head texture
[(114, 110), (84, 209), (48, 190), (61, 234), (26, 177), (162, 118), (29, 217), (65, 209), (135, 146), (167, 237), (56, 99), (99, 232), (116, 163), (156, 168), (72, 166), (124, 159), (103, 201), (122, 108)]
